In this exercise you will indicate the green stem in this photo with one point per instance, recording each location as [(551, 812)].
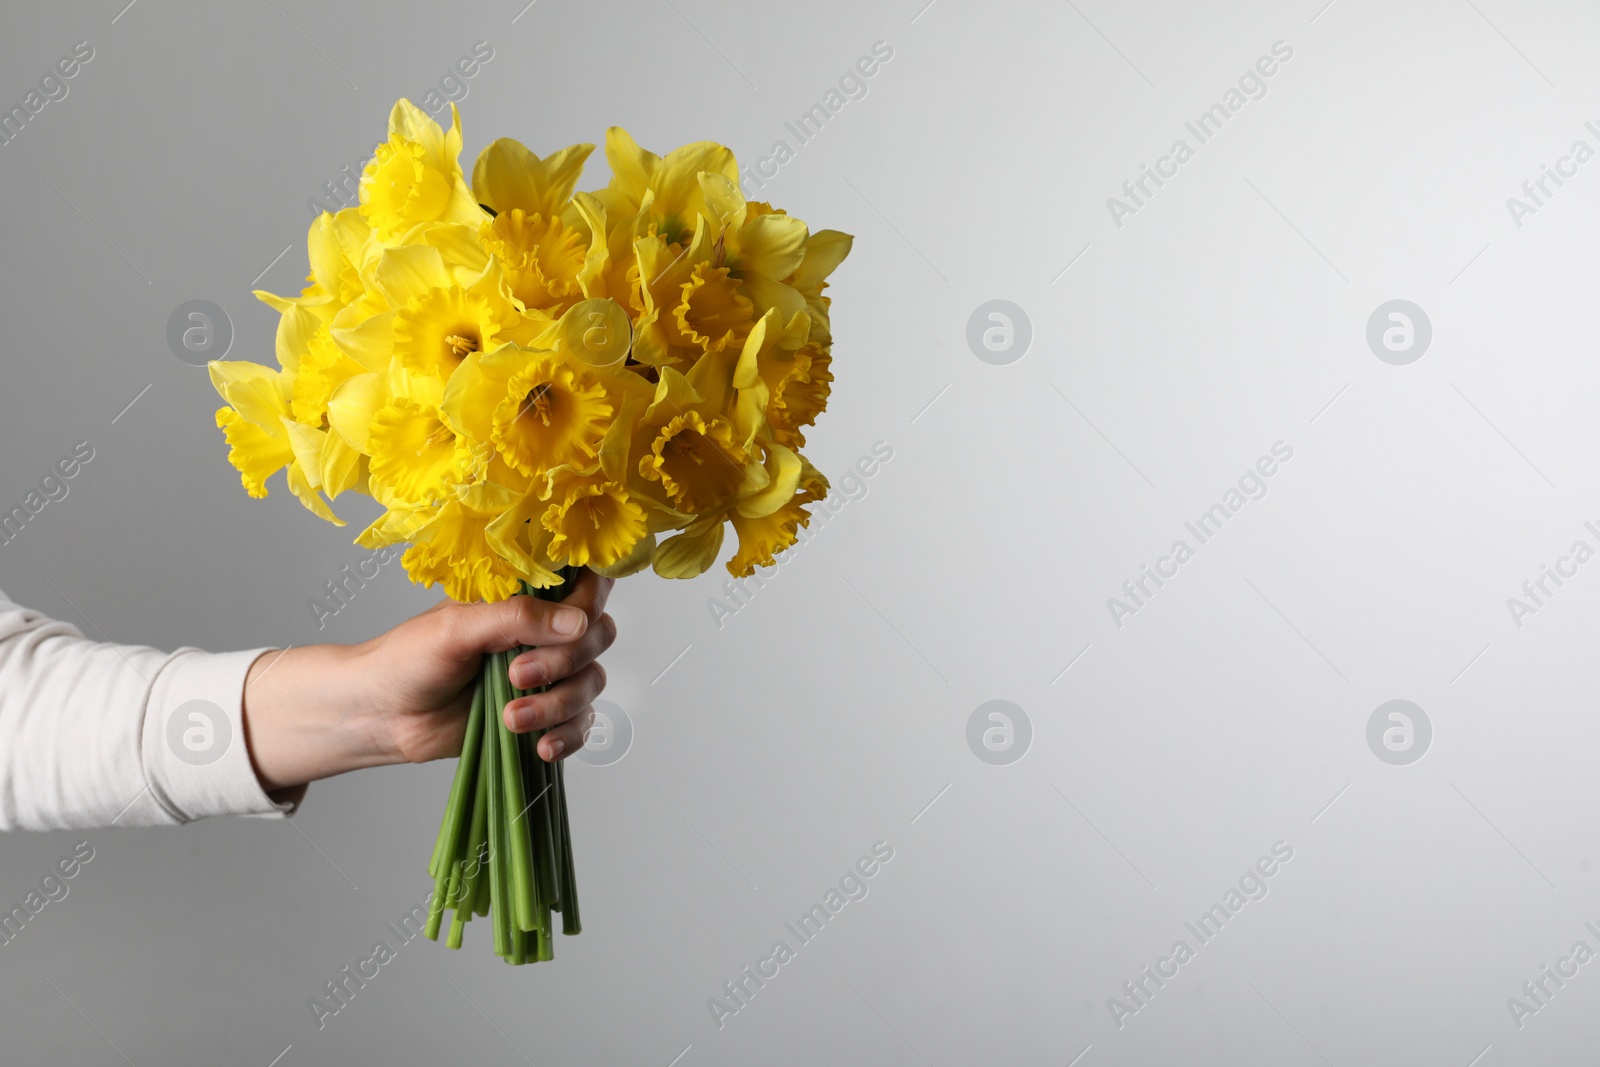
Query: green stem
[(499, 898), (445, 848), (562, 876), (466, 896), (519, 857), (570, 921)]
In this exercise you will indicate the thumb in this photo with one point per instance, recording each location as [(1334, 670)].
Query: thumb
[(475, 629)]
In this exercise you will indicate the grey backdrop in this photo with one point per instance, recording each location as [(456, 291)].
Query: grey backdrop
[(1171, 346)]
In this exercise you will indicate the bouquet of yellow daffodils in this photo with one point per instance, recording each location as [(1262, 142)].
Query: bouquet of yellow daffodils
[(530, 381)]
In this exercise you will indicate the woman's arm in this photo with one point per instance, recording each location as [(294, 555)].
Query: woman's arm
[(96, 734)]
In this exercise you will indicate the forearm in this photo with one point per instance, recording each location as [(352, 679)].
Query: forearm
[(93, 734), (309, 714)]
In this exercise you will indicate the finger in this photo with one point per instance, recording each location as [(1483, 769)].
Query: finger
[(567, 738), (540, 711), (551, 663), (590, 593), (473, 629)]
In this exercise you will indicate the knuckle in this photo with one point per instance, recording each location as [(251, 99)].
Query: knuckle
[(548, 711), (608, 631), (565, 701), (552, 665)]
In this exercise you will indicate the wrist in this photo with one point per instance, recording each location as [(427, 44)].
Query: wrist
[(308, 716)]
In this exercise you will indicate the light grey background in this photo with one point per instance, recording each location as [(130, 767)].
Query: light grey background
[(1230, 713)]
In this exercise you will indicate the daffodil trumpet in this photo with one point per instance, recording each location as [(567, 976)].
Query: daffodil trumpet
[(531, 380)]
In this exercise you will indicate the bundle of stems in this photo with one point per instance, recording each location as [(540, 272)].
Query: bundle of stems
[(505, 846)]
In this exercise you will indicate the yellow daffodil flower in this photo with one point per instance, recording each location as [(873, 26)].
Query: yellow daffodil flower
[(452, 549), (538, 408), (417, 458), (341, 248), (415, 176), (436, 323), (263, 439), (529, 377)]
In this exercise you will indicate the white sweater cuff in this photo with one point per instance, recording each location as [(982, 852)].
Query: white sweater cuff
[(196, 762)]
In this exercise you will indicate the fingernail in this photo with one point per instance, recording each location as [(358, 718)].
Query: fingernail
[(556, 748), (567, 621), (519, 718), (519, 673)]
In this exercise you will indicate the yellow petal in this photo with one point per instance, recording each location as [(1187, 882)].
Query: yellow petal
[(521, 540), (768, 336), (677, 181), (507, 175), (411, 122), (341, 465), (761, 538), (369, 342), (476, 387), (395, 526), (277, 303), (596, 332), (691, 552), (463, 253), (824, 251), (410, 271), (725, 205), (783, 468), (255, 452), (632, 168), (773, 245), (352, 406), (643, 553), (259, 393), (765, 293), (306, 443), (308, 496), (295, 328), (712, 379)]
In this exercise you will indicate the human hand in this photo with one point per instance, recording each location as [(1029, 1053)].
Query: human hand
[(403, 697)]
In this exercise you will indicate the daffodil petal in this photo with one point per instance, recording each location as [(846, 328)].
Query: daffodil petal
[(825, 250), (394, 526), (341, 465), (301, 488), (644, 551), (306, 444), (352, 406), (783, 468), (772, 245), (409, 271), (691, 552), (256, 391)]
